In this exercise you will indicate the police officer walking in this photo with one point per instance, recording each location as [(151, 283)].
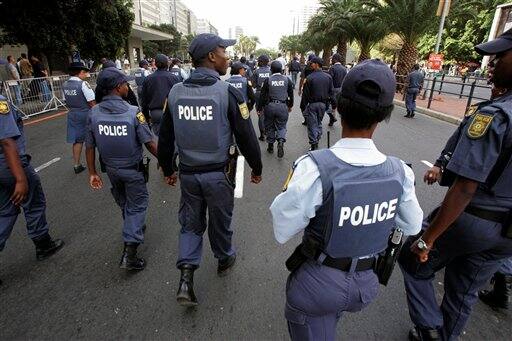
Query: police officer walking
[(414, 86), (306, 71), (119, 130), (79, 99), (100, 92), (317, 93), (347, 199), (155, 90), (294, 70), (259, 76), (239, 81), (140, 76), (248, 69), (251, 62), (202, 115), (469, 234), (176, 69), (338, 73), (276, 100), (20, 186)]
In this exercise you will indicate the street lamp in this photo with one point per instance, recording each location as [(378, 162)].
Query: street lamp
[(442, 10)]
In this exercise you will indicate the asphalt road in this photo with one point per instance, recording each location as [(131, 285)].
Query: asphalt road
[(81, 293)]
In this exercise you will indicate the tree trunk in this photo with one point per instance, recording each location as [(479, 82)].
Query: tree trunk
[(406, 59), (326, 54), (342, 50), (364, 55)]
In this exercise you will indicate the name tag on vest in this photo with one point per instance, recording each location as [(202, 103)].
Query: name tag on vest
[(108, 130), (368, 214), (195, 113), (70, 92)]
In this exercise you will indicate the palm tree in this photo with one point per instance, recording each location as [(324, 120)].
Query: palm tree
[(366, 33), (409, 19), (322, 35)]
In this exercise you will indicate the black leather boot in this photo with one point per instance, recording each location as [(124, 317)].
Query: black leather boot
[(332, 120), (408, 114), (129, 259), (314, 146), (270, 148), (412, 114), (420, 334), (185, 295), (499, 296), (46, 246), (225, 265), (280, 149)]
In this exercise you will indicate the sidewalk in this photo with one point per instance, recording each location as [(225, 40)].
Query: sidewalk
[(445, 107)]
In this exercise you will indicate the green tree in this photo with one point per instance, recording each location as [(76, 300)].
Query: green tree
[(246, 45), (410, 20), (272, 53), (321, 35), (169, 47), (96, 28)]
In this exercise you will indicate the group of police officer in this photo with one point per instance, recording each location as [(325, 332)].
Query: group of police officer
[(348, 200)]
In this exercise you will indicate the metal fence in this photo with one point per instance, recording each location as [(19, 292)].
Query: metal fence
[(469, 88)]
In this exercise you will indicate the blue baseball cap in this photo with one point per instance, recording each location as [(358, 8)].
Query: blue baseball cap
[(206, 42), (375, 71), (500, 44), (111, 77), (78, 66), (317, 60)]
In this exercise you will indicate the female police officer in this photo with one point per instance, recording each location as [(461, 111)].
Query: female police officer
[(348, 200)]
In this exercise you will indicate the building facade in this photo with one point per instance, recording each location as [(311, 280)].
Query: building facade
[(182, 17), (204, 26), (302, 16)]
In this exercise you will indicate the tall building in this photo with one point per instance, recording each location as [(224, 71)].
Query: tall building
[(302, 16), (204, 26), (147, 12), (182, 17), (235, 32)]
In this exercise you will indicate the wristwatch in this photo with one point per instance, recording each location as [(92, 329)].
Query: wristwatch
[(422, 245)]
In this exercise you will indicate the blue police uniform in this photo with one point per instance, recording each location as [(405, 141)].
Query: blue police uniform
[(78, 94), (318, 92), (259, 76), (294, 70), (275, 98), (415, 83), (473, 248), (140, 75), (347, 200), (34, 206), (154, 93), (118, 131), (176, 71), (338, 73), (240, 83)]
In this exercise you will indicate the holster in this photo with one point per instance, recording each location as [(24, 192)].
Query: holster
[(447, 176), (103, 167), (230, 169), (296, 259), (308, 249), (144, 168), (386, 261)]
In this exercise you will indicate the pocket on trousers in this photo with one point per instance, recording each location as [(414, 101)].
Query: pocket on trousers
[(367, 289), (294, 316)]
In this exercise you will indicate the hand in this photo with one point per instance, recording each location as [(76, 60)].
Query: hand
[(422, 254), (171, 180), (432, 175), (259, 113), (20, 192), (95, 181), (255, 179)]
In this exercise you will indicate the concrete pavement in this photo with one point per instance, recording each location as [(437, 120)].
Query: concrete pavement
[(82, 294)]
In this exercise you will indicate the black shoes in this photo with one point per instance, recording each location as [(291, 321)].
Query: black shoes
[(304, 123), (262, 137), (129, 259), (420, 334), (332, 120), (46, 246), (225, 265), (280, 149), (410, 114), (499, 296), (78, 169), (314, 146), (185, 296), (270, 148)]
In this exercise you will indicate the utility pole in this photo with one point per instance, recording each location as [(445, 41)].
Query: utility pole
[(444, 7)]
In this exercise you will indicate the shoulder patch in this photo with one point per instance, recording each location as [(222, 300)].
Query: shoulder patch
[(4, 108), (471, 110), (141, 118), (244, 110), (479, 125)]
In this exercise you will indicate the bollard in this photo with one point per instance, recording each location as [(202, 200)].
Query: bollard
[(431, 92), (328, 139), (470, 97), (442, 82), (462, 88)]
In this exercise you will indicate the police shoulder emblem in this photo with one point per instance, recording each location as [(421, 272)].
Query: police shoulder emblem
[(471, 110), (141, 118), (479, 125), (244, 110), (4, 107)]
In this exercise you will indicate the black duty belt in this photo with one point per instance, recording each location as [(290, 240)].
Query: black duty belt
[(132, 167), (494, 216), (344, 264), (276, 101)]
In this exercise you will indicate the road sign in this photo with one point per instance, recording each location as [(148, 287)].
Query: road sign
[(435, 61)]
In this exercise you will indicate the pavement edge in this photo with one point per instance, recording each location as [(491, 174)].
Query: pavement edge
[(432, 113)]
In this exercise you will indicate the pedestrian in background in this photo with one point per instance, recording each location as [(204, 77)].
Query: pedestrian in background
[(26, 70), (14, 77), (258, 77), (414, 84), (40, 85), (338, 73), (294, 70)]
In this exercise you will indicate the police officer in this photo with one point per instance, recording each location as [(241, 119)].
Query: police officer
[(276, 100), (177, 70), (100, 92), (294, 69), (347, 199), (469, 233), (119, 130), (306, 71), (414, 86), (20, 186), (501, 293), (248, 69), (251, 62), (79, 99), (155, 90), (239, 81), (202, 115), (338, 73), (258, 77), (140, 76), (318, 92)]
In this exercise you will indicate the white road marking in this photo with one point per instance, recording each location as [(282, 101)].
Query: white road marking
[(428, 164), (239, 188), (49, 163)]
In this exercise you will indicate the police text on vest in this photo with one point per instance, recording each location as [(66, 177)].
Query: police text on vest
[(195, 113), (113, 130), (277, 83), (368, 214)]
